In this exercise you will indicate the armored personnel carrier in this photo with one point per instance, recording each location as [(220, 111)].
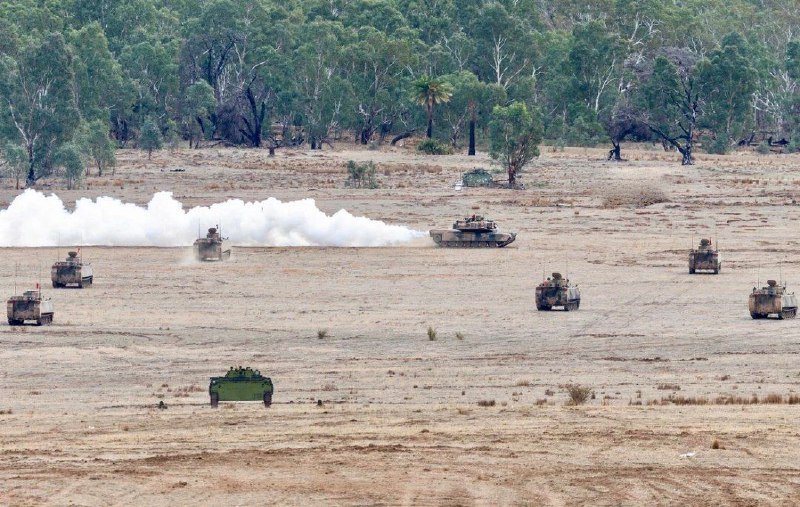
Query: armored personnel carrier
[(557, 291), (72, 271), (212, 247), (30, 306), (472, 232), (704, 258), (772, 300), (241, 384)]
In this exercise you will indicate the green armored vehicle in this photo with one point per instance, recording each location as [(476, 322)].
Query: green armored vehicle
[(212, 247), (241, 384), (772, 300), (72, 271), (704, 258), (557, 291), (30, 306), (472, 232)]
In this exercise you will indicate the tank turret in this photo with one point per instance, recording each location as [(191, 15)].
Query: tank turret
[(473, 231)]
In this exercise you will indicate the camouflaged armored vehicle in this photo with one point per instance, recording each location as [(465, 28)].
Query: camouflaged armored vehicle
[(472, 232), (704, 258), (72, 271), (29, 306), (212, 247), (557, 291), (241, 384), (772, 300)]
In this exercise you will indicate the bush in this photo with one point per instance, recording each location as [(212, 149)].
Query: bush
[(431, 333), (360, 175), (434, 147), (635, 197), (717, 146), (578, 394), (763, 148)]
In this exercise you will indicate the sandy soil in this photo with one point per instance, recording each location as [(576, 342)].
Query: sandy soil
[(400, 421)]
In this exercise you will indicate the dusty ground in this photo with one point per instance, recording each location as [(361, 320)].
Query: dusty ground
[(400, 421)]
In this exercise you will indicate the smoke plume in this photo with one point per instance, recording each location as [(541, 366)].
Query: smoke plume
[(34, 219)]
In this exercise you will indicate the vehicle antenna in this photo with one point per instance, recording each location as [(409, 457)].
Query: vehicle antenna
[(16, 268)]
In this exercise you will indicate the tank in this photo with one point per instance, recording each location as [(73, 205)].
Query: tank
[(557, 291), (472, 232), (772, 300), (30, 306), (71, 272), (212, 247), (704, 258), (241, 384)]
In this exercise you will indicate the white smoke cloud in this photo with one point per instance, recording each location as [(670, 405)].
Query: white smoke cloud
[(34, 219)]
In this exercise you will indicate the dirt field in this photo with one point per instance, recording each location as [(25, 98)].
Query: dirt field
[(400, 420)]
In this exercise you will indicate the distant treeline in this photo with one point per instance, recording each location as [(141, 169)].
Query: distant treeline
[(263, 73)]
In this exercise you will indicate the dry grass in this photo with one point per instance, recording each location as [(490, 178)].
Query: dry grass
[(486, 403), (459, 336), (322, 333), (633, 197), (7, 411), (769, 399), (522, 383), (668, 387)]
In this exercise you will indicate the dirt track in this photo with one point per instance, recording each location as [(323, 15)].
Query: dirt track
[(400, 421)]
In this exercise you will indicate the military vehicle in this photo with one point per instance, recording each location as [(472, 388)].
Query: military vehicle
[(772, 300), (72, 271), (241, 384), (30, 306), (472, 232), (557, 291), (212, 247), (704, 258)]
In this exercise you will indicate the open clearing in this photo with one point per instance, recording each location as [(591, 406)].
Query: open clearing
[(400, 421)]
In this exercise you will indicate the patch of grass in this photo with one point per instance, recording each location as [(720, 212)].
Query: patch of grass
[(459, 336), (668, 387), (715, 444), (329, 387), (431, 333), (360, 175), (549, 392), (578, 394), (633, 197), (322, 334), (7, 411), (486, 403), (523, 383)]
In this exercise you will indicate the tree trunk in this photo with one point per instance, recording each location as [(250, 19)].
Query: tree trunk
[(430, 122), (686, 154), (614, 152), (402, 136), (471, 150), (512, 176), (31, 175)]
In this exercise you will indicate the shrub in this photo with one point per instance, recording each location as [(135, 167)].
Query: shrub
[(718, 146), (360, 175), (486, 403), (431, 333), (459, 336), (578, 394), (763, 148), (434, 147), (322, 333)]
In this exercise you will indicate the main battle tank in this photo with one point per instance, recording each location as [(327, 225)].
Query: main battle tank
[(772, 300), (72, 271), (472, 232), (557, 291), (30, 306), (241, 384), (212, 247), (704, 258)]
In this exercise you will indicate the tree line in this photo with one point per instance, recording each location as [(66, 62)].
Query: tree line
[(80, 78)]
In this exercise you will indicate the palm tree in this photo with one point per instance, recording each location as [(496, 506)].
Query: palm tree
[(430, 91)]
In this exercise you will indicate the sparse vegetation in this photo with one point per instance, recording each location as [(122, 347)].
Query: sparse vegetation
[(578, 394), (459, 336), (431, 333), (361, 175), (486, 403), (322, 334), (668, 387), (434, 147), (633, 197), (763, 148)]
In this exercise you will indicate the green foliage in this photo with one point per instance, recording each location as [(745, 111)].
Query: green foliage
[(763, 148), (719, 145), (93, 141), (430, 92), (361, 175), (514, 135), (150, 138), (433, 147), (68, 159), (15, 162)]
